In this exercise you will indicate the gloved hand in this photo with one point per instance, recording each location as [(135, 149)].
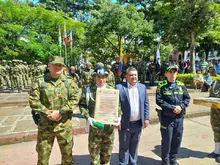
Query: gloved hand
[(117, 121), (91, 121)]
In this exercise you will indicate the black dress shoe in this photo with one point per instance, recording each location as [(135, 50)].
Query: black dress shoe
[(212, 155), (165, 163), (175, 163), (217, 158)]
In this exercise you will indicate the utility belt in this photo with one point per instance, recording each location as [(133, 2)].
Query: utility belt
[(161, 113), (38, 117)]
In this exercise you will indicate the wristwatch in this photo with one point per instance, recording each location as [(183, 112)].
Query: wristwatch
[(61, 111)]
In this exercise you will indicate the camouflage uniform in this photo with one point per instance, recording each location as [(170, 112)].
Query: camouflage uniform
[(100, 141), (1, 79), (86, 78), (152, 71), (6, 76), (55, 96), (111, 77), (15, 75), (215, 119), (75, 76)]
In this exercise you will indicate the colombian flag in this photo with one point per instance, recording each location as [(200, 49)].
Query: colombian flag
[(120, 66)]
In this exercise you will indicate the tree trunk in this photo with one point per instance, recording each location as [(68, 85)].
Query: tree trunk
[(192, 52)]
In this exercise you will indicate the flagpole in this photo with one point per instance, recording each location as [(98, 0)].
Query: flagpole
[(65, 54), (60, 41)]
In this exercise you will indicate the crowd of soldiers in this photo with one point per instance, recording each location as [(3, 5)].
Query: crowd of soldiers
[(18, 75)]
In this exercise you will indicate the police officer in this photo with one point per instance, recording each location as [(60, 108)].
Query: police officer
[(172, 96), (100, 141), (53, 96)]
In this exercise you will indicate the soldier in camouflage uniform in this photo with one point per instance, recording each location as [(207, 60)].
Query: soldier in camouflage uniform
[(1, 79), (215, 121), (152, 72), (15, 75), (100, 141), (6, 70), (86, 77), (75, 76), (53, 96), (111, 77)]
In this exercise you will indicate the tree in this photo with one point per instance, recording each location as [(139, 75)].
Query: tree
[(30, 33), (116, 28)]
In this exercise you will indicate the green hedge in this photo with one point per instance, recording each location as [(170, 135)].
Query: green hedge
[(188, 78)]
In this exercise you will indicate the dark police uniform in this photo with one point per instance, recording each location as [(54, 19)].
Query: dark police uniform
[(169, 95)]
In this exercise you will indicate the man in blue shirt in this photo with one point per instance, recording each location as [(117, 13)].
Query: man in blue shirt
[(207, 82)]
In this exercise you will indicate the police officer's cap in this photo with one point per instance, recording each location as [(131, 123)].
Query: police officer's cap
[(170, 67), (100, 70)]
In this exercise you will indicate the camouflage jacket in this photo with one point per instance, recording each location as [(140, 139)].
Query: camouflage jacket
[(215, 89), (55, 95), (111, 79)]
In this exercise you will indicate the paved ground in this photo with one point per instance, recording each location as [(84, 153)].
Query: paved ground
[(16, 124), (197, 143)]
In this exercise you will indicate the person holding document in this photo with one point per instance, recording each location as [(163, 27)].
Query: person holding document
[(100, 140), (135, 109)]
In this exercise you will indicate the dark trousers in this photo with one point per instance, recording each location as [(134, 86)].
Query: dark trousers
[(128, 144), (171, 132)]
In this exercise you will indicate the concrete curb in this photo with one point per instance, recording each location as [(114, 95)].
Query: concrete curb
[(29, 136), (32, 135)]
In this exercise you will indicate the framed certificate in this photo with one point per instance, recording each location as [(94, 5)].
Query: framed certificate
[(212, 102), (106, 108)]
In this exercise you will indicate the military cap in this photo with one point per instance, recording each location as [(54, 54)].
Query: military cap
[(3, 60), (56, 60), (72, 68), (99, 64), (100, 70), (108, 66), (170, 67), (89, 63)]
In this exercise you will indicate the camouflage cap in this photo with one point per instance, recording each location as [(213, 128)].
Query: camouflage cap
[(170, 67), (56, 60), (108, 66), (72, 68), (89, 64), (99, 64)]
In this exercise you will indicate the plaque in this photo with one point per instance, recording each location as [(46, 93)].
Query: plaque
[(106, 107)]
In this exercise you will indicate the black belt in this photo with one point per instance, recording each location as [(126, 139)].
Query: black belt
[(135, 122)]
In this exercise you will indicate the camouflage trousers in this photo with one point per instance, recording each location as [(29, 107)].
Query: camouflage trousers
[(215, 122), (45, 140), (1, 82), (101, 144)]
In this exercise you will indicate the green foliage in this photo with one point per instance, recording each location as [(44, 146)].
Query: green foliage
[(185, 78), (114, 22), (31, 33)]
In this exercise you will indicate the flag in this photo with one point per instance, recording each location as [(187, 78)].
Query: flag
[(71, 38), (158, 58), (120, 65), (64, 35), (60, 38), (120, 58)]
